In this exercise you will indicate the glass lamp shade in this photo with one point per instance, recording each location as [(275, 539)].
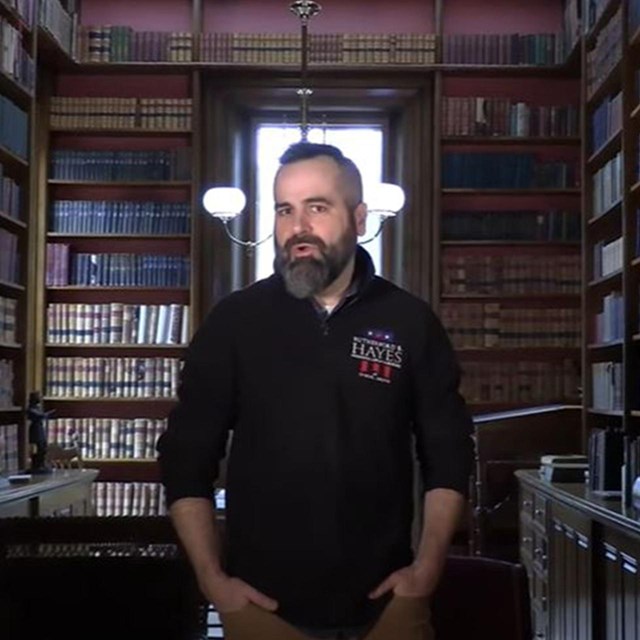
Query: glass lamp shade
[(385, 199), (224, 203)]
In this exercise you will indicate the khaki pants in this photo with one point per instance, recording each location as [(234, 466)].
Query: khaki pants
[(402, 619)]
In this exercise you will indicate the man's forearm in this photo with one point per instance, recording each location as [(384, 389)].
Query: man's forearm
[(194, 520), (442, 509)]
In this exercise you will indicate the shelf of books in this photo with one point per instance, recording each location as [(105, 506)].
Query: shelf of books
[(118, 273), (605, 229), (509, 226), (17, 81)]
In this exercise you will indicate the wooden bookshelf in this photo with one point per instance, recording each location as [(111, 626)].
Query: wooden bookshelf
[(16, 227)]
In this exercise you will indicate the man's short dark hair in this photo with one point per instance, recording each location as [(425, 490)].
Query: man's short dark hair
[(350, 172)]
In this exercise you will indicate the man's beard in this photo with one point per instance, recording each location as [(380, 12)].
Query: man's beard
[(308, 276)]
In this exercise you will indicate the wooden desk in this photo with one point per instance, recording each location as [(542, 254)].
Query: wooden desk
[(582, 554), (60, 493)]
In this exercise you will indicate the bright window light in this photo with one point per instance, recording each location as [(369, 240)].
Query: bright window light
[(363, 144)]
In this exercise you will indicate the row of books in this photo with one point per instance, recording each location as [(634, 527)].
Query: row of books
[(123, 44), (605, 449), (474, 325), (26, 10), (606, 121), (105, 43), (631, 451), (520, 381), (609, 323), (112, 377), (108, 438), (543, 49), (606, 53), (479, 116), (117, 323), (506, 171), (64, 268), (571, 23), (59, 23), (633, 15), (8, 312), (9, 453), (13, 128), (120, 113), (607, 185), (607, 382), (14, 59), (523, 225), (121, 217), (607, 257), (511, 274), (593, 9), (9, 195), (9, 257), (108, 166), (6, 384), (117, 499)]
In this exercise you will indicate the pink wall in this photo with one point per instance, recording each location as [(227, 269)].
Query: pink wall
[(337, 16), (122, 86), (143, 15), (502, 16)]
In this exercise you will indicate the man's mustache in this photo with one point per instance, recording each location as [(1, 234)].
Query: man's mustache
[(304, 239)]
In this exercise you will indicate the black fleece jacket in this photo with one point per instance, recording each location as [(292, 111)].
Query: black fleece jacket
[(323, 413)]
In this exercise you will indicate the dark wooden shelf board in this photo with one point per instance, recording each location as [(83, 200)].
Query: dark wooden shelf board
[(109, 400), (509, 192), (612, 277), (51, 50), (635, 187), (9, 221), (605, 16), (606, 214), (601, 346), (161, 184), (606, 412), (511, 296), (118, 236), (128, 132), (14, 90), (505, 140), (11, 409), (114, 288), (635, 262), (93, 345), (635, 413), (636, 111), (486, 70), (8, 157), (516, 352), (635, 337), (14, 346), (511, 243), (606, 151), (11, 286)]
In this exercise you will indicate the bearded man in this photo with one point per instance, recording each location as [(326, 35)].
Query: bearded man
[(331, 379)]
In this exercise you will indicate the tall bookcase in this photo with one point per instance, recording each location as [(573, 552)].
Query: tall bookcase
[(507, 197), (610, 231), (17, 79)]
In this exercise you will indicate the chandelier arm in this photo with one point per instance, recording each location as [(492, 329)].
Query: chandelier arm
[(378, 232), (244, 243)]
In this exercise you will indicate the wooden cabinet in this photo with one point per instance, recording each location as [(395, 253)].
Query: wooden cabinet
[(582, 554), (61, 493)]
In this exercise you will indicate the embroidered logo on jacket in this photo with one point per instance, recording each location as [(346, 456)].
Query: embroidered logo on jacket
[(378, 354)]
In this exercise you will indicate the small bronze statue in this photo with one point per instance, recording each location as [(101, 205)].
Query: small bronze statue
[(38, 433)]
